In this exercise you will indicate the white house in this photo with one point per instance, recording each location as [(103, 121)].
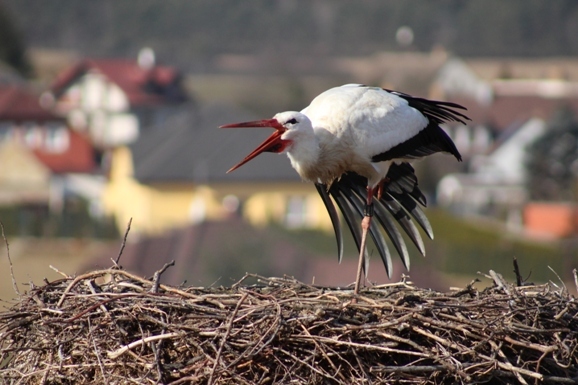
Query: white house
[(113, 99), (495, 184)]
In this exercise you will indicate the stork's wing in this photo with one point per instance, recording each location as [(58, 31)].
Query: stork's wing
[(430, 139), (399, 203)]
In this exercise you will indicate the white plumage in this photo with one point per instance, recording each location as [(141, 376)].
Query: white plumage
[(371, 119)]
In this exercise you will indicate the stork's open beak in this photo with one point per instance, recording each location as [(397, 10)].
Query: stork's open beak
[(273, 143)]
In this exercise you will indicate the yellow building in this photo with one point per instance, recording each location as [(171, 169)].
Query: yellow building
[(176, 175)]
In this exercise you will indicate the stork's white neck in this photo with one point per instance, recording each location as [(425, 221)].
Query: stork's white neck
[(304, 155)]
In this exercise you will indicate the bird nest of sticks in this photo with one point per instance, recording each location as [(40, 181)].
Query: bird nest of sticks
[(112, 327)]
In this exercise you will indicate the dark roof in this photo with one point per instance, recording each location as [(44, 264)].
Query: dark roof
[(143, 86), (211, 250), (189, 146), (221, 252), (19, 105)]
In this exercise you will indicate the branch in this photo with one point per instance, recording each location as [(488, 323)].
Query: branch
[(142, 341), (123, 243), (157, 276), (14, 284)]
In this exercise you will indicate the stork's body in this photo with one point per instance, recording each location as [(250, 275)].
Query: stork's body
[(361, 130)]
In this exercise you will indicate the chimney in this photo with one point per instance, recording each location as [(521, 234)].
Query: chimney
[(146, 58)]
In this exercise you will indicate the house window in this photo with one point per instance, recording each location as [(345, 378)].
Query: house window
[(32, 135), (6, 131), (296, 215), (57, 139)]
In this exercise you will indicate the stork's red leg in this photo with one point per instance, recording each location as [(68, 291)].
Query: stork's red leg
[(380, 187), (365, 223)]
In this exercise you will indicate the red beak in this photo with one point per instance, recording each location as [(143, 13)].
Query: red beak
[(273, 143)]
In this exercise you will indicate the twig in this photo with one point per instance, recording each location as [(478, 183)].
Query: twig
[(157, 276), (97, 354), (469, 289), (123, 243), (559, 279), (517, 272), (140, 342), (361, 346), (90, 285), (158, 365), (14, 284), (71, 285), (59, 272), (225, 336)]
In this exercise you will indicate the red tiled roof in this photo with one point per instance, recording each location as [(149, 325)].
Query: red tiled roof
[(78, 157), (551, 219), (143, 86), (507, 110), (19, 105)]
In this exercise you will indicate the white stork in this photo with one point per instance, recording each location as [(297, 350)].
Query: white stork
[(354, 143)]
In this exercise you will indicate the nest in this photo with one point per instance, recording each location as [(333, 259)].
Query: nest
[(112, 327)]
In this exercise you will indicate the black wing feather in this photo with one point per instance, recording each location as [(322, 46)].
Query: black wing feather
[(435, 110)]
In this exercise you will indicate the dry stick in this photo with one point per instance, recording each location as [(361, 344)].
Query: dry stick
[(100, 273), (357, 345), (97, 354), (438, 339), (417, 369), (59, 272), (501, 354), (529, 345), (469, 289), (575, 274), (559, 279), (517, 272), (158, 366), (320, 348), (90, 286), (157, 276), (134, 277), (123, 243), (46, 371), (254, 350), (499, 281), (74, 282), (14, 284), (224, 339), (142, 341), (303, 362)]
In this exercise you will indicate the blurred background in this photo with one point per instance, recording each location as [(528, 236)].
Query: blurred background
[(109, 111)]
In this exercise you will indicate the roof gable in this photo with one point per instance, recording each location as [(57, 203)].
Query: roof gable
[(143, 86)]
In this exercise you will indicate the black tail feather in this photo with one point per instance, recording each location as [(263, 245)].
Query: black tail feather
[(400, 200), (334, 216), (357, 201)]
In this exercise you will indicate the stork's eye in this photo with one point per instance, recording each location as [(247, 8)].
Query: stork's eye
[(292, 121)]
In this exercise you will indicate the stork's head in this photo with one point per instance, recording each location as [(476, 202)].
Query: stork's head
[(289, 127)]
